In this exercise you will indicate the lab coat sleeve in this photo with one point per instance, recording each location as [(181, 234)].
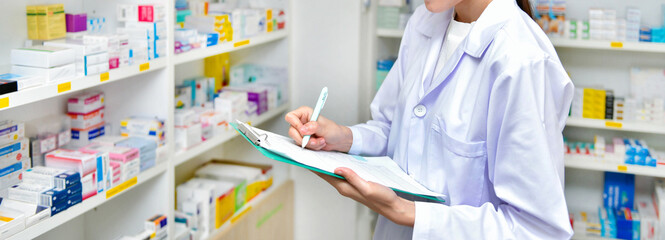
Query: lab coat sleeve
[(527, 109), (371, 138)]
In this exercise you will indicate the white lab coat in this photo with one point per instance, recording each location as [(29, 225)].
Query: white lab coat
[(487, 132)]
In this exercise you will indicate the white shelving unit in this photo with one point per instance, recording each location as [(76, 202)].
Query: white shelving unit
[(609, 45), (389, 33), (43, 92), (199, 54), (598, 164), (138, 89), (640, 127), (87, 205)]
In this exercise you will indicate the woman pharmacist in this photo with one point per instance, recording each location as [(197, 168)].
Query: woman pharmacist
[(474, 108)]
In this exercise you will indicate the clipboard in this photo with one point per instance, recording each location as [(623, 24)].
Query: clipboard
[(257, 139)]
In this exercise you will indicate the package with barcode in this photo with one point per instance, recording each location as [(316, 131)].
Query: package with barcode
[(36, 194), (51, 177)]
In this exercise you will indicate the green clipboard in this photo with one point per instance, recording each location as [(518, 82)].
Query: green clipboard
[(284, 159)]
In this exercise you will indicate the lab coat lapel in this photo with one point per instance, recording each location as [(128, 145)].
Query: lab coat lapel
[(448, 68)]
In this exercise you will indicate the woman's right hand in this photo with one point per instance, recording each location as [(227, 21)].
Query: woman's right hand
[(326, 134)]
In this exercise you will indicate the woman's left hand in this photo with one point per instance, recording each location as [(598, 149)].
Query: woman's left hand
[(377, 197)]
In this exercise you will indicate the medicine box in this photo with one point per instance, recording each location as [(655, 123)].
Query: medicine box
[(142, 125), (80, 48), (266, 170), (53, 74), (76, 22), (23, 81), (83, 121), (85, 103), (11, 131), (42, 56), (55, 209), (89, 186), (14, 224), (155, 223), (144, 145), (109, 140), (188, 136), (14, 152), (77, 161), (8, 86), (36, 194), (82, 137), (34, 213), (51, 177), (241, 175), (51, 22), (225, 199), (11, 175), (99, 66)]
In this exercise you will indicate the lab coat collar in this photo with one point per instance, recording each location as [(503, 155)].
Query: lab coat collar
[(488, 24), (435, 24), (480, 36)]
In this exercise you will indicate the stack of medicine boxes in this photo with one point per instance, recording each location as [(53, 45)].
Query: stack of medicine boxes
[(230, 184), (117, 47), (14, 154), (86, 164), (57, 189), (146, 28), (51, 64), (90, 59), (147, 150), (87, 117), (145, 127), (124, 163)]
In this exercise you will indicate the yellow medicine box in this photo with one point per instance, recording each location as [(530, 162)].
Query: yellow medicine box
[(46, 22)]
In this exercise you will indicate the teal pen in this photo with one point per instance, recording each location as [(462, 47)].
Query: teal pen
[(317, 110)]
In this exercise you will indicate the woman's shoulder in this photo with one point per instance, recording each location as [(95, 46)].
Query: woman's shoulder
[(522, 39)]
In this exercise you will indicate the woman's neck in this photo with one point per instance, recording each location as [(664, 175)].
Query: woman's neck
[(469, 11)]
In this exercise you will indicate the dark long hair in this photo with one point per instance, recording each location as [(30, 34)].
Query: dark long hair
[(525, 6)]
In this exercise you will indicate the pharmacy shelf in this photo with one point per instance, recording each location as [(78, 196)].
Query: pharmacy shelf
[(220, 232), (42, 92), (184, 156), (87, 205), (584, 237), (202, 53), (641, 127), (609, 45), (597, 164), (389, 33)]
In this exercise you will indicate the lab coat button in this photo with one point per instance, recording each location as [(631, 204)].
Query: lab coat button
[(420, 110)]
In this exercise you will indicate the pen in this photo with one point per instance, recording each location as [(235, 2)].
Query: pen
[(317, 111)]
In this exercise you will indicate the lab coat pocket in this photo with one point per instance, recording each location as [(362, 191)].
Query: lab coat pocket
[(462, 166)]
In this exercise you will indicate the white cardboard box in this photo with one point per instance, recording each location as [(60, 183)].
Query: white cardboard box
[(42, 56), (53, 74)]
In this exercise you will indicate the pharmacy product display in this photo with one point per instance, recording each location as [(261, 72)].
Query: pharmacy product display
[(69, 45), (601, 24), (383, 67), (203, 112), (646, 102), (625, 214), (617, 150), (229, 184), (70, 158), (394, 14), (203, 24), (153, 228)]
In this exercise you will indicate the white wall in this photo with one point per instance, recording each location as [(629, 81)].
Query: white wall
[(325, 52)]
